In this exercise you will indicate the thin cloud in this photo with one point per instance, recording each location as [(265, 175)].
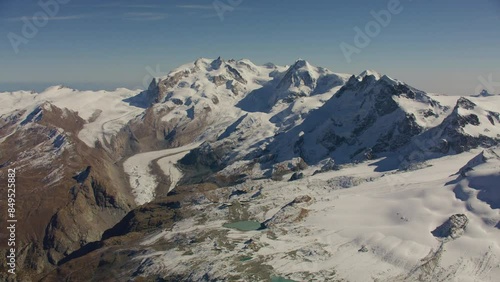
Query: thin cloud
[(144, 16), (56, 18), (211, 7), (121, 5), (196, 7), (116, 5), (142, 6), (134, 16)]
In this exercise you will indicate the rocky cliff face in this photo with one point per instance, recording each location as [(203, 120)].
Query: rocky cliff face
[(68, 194), (119, 243)]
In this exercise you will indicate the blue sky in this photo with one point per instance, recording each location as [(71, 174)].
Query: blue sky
[(438, 46)]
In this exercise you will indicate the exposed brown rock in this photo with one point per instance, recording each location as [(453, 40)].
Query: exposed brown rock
[(56, 213)]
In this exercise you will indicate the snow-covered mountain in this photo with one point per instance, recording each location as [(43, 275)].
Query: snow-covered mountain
[(369, 114), (299, 80), (468, 126), (220, 140), (197, 101), (103, 113)]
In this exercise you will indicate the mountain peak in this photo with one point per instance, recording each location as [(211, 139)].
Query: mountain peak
[(366, 73), (216, 63), (57, 88), (485, 93), (465, 103), (300, 63), (201, 63), (300, 74), (153, 84)]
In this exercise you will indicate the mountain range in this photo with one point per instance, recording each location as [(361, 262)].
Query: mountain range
[(141, 184)]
